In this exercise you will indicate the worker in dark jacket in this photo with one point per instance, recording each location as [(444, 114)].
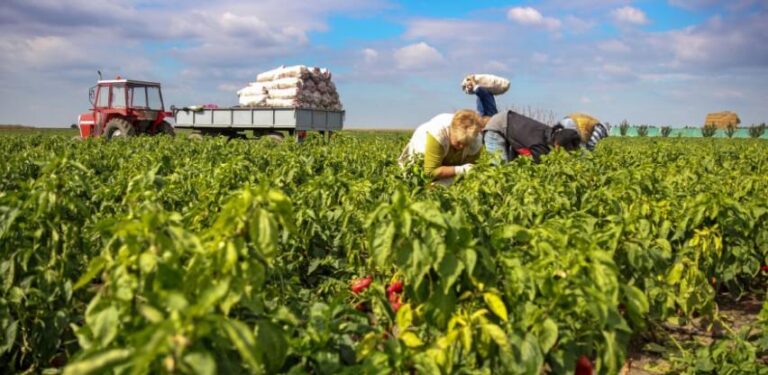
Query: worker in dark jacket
[(511, 134)]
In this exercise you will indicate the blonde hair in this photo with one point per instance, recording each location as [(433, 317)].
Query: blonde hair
[(465, 126), (484, 121)]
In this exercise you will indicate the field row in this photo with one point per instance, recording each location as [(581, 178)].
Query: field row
[(154, 255)]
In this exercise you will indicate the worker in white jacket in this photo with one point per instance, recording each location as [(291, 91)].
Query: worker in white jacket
[(450, 143)]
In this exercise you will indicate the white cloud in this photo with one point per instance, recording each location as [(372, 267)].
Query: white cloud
[(417, 57), (613, 46), (40, 52), (539, 58), (525, 15), (585, 100), (729, 94), (531, 16), (617, 73), (693, 4), (717, 44), (616, 69), (229, 87), (370, 55), (452, 30), (229, 28), (591, 5), (629, 15), (497, 66), (577, 25)]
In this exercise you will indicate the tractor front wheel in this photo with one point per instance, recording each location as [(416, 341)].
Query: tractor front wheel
[(167, 129), (118, 128)]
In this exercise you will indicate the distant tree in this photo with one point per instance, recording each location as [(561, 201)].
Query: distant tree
[(642, 131), (730, 130), (73, 126), (666, 131), (624, 128), (757, 131), (708, 130)]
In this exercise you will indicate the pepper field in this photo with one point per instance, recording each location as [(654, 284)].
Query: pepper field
[(161, 255)]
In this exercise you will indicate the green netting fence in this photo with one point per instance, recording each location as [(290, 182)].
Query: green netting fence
[(683, 132)]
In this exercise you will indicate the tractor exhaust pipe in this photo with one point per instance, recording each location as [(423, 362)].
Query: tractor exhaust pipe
[(99, 71)]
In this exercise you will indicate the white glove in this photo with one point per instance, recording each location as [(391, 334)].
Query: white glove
[(462, 169)]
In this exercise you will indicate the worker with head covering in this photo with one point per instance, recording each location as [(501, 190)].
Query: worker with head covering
[(590, 129)]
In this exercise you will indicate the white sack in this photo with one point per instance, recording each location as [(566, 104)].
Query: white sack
[(495, 84), (290, 93), (309, 85), (253, 100), (283, 103), (269, 75), (287, 83), (297, 71), (253, 89), (323, 87)]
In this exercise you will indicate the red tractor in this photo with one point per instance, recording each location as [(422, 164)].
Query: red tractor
[(125, 108)]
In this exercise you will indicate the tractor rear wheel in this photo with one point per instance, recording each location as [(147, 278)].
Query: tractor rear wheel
[(167, 129), (119, 127)]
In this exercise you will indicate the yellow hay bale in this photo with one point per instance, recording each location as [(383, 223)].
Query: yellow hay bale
[(721, 120)]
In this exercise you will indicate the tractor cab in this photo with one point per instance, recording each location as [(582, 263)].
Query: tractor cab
[(124, 107)]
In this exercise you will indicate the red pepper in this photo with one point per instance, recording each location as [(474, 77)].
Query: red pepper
[(524, 152), (396, 287), (359, 285), (764, 268), (583, 366), (393, 297), (395, 302)]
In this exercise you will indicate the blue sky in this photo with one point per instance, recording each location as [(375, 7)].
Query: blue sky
[(397, 63)]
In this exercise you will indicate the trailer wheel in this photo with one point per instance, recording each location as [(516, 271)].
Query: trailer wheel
[(119, 127), (195, 137), (167, 129), (275, 136)]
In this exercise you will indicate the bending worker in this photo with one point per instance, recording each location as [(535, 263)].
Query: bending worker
[(589, 128), (449, 142), (510, 134)]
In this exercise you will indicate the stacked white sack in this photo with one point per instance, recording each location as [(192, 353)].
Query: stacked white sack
[(254, 95), (294, 86)]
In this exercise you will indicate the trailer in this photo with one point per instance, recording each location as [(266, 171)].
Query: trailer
[(235, 122)]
